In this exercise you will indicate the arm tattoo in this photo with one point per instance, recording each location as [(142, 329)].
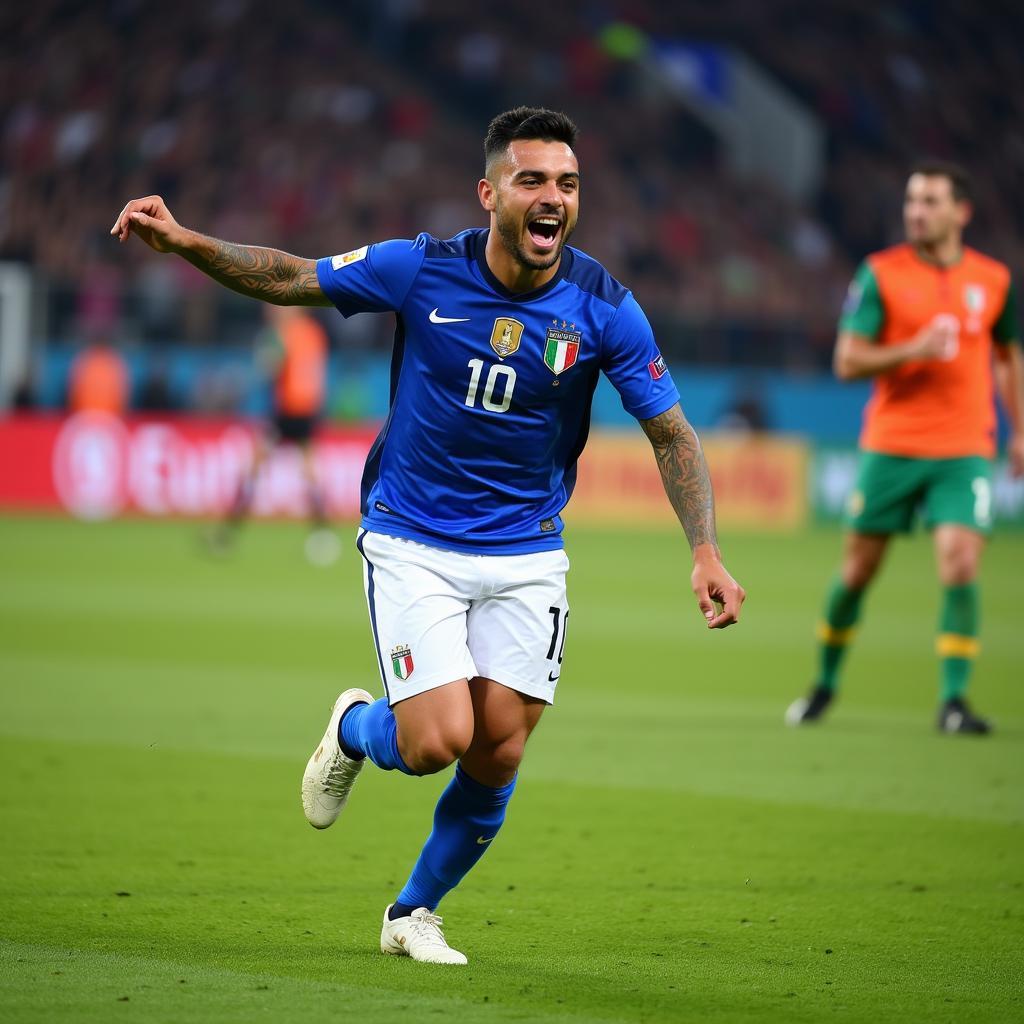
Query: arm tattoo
[(684, 473), (267, 274)]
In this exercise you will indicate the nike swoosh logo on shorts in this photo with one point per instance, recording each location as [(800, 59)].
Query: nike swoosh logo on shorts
[(552, 678), (480, 841), (435, 319)]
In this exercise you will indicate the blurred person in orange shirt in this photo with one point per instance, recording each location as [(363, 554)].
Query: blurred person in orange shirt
[(99, 381), (934, 323), (293, 351)]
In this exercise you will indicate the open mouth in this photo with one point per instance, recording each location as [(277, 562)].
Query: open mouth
[(544, 231)]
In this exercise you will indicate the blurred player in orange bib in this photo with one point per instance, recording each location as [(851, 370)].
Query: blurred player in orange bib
[(293, 349), (925, 319), (99, 381)]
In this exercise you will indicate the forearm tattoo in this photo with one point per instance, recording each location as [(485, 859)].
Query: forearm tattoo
[(684, 473), (267, 274)]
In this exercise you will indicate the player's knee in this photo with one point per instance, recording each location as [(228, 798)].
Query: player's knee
[(858, 573), (435, 751), (504, 758), (959, 569)]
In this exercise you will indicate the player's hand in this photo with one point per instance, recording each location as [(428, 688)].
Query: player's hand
[(150, 219), (938, 339), (1015, 454), (719, 596)]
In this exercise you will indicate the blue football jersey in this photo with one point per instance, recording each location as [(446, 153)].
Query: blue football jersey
[(490, 389)]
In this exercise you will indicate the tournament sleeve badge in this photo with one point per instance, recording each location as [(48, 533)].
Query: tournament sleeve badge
[(657, 368), (506, 336), (401, 661), (561, 347), (345, 258)]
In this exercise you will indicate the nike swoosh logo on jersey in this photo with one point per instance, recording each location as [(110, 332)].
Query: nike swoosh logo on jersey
[(435, 319)]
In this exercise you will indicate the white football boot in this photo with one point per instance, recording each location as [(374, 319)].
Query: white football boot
[(418, 936), (330, 774)]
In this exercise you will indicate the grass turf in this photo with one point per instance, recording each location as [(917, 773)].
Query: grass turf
[(672, 853)]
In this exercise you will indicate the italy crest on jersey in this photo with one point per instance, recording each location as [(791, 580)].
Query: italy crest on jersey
[(401, 661), (506, 335), (561, 347)]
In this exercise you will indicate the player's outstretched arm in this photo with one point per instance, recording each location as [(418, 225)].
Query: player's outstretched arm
[(267, 274), (684, 473)]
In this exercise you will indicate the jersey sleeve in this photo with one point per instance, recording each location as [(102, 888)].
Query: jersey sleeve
[(632, 362), (1007, 328), (373, 279), (863, 312)]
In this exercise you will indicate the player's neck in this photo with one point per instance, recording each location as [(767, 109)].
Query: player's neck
[(945, 253), (515, 276)]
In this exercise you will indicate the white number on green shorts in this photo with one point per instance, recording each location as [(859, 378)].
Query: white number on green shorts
[(982, 500), (497, 371)]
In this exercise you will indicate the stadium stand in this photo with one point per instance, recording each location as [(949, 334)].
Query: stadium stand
[(316, 127)]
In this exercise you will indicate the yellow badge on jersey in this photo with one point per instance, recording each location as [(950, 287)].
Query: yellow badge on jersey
[(505, 336), (337, 262)]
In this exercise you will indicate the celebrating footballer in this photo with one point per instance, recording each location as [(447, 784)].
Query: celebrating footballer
[(501, 335)]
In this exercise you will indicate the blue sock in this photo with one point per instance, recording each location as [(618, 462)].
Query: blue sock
[(370, 730), (467, 818)]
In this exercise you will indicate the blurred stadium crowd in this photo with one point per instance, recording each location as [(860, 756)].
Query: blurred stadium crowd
[(318, 126)]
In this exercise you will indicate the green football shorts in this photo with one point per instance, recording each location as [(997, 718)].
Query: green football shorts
[(892, 489)]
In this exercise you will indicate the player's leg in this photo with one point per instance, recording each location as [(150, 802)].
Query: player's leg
[(863, 554), (242, 501), (959, 508), (881, 504), (219, 538), (468, 815), (503, 721), (322, 544), (314, 493), (417, 605), (516, 637)]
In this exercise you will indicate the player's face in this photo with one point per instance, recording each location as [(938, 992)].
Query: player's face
[(931, 213), (535, 198)]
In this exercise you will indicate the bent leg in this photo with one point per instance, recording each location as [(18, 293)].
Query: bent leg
[(420, 735), (417, 602), (472, 807)]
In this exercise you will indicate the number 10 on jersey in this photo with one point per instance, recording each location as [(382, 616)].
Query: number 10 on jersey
[(498, 373)]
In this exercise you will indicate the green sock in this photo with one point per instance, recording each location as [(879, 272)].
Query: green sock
[(957, 644), (842, 609)]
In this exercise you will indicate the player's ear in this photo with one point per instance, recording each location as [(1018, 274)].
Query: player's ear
[(964, 212), (487, 194)]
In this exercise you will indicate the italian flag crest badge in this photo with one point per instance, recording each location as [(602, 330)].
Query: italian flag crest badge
[(401, 661), (561, 347)]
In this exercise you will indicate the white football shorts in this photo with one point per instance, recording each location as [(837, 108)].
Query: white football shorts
[(438, 616)]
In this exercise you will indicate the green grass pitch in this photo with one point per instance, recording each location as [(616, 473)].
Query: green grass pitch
[(673, 852)]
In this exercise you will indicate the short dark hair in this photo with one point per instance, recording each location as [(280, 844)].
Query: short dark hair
[(959, 178), (527, 123)]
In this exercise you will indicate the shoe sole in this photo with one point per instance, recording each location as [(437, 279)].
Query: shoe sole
[(355, 695)]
